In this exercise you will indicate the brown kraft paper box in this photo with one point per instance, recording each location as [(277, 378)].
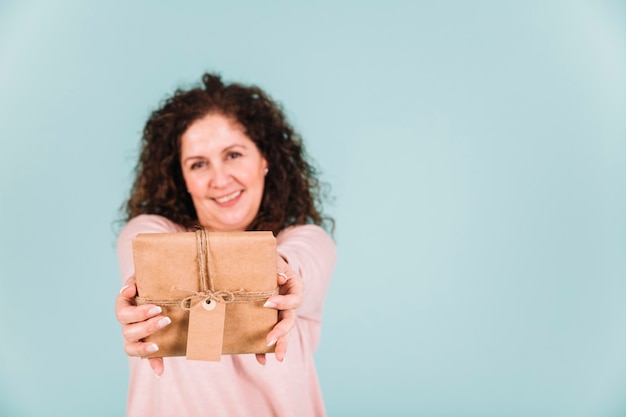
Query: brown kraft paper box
[(213, 286)]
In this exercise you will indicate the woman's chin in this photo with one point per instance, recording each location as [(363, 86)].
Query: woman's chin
[(226, 225)]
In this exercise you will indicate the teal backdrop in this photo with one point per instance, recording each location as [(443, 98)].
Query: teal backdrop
[(476, 152)]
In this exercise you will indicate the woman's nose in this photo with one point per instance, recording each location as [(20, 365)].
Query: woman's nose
[(219, 176)]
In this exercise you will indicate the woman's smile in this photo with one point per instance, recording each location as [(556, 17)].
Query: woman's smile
[(230, 198)]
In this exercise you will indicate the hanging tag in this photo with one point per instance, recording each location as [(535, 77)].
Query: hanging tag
[(206, 331)]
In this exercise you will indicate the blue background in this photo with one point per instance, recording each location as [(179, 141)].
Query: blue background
[(477, 154)]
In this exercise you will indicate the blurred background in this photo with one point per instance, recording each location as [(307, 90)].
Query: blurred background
[(477, 156)]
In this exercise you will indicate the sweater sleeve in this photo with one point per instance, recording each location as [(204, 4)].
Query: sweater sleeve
[(144, 223), (311, 253)]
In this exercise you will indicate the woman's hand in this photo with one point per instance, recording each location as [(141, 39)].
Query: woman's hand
[(287, 300), (139, 322)]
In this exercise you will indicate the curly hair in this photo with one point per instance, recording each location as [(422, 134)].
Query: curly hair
[(292, 194)]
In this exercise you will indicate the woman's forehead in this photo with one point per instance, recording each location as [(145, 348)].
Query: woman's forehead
[(213, 132)]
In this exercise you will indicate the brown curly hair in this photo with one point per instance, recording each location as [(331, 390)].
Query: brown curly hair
[(292, 195)]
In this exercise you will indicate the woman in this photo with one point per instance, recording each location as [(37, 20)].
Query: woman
[(224, 157)]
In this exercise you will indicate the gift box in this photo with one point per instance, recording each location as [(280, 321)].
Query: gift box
[(213, 286)]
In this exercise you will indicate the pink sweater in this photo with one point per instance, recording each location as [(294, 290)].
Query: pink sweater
[(238, 385)]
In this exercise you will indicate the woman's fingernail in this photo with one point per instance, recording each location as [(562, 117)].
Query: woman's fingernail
[(269, 304), (154, 311), (152, 347), (163, 322), (123, 288), (271, 342)]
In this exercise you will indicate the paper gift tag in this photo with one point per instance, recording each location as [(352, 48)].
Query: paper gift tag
[(206, 330)]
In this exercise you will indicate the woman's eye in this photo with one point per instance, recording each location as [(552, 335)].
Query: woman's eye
[(233, 155), (198, 164)]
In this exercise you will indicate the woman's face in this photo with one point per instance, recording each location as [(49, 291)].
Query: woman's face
[(224, 172)]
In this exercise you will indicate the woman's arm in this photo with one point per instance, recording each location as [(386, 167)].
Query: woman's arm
[(311, 253), (139, 322)]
